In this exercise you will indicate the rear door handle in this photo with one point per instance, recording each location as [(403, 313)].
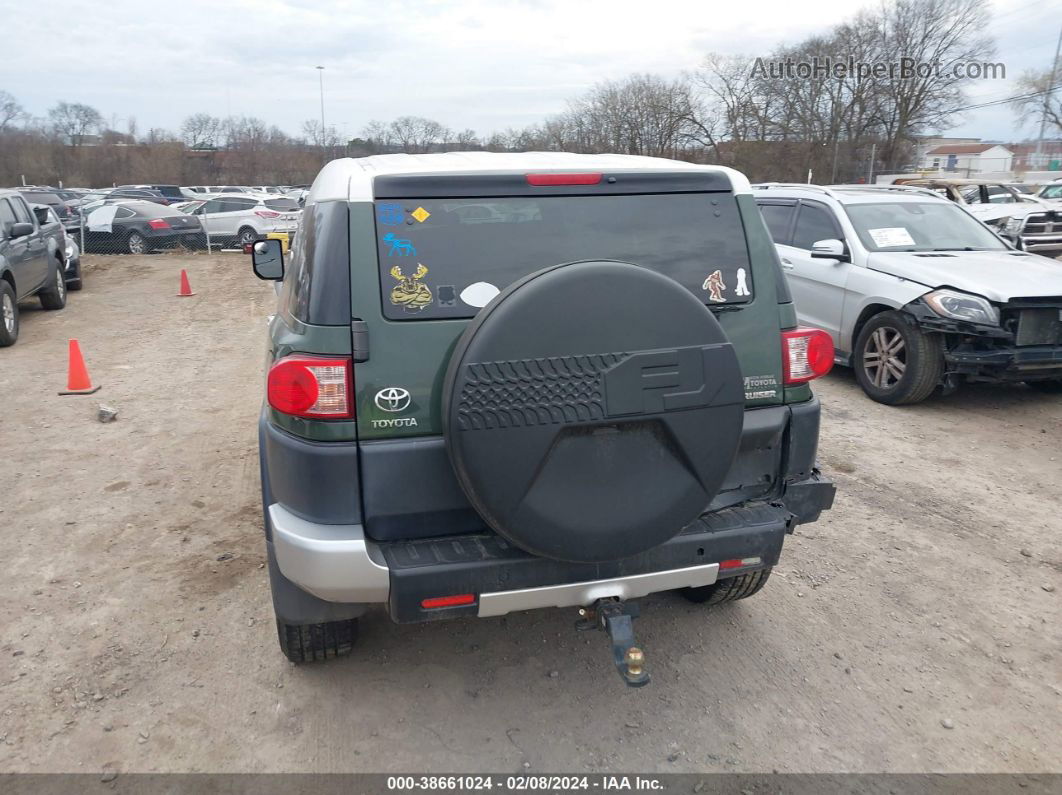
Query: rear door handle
[(787, 264)]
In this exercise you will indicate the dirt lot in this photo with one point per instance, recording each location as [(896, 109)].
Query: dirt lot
[(915, 628)]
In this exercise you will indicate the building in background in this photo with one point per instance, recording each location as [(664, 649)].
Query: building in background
[(968, 159)]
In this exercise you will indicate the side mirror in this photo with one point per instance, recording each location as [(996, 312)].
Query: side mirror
[(20, 229), (829, 249), (267, 259)]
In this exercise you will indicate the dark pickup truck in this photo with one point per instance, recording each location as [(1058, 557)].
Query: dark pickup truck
[(30, 263)]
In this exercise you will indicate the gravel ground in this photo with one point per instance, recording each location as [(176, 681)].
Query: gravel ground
[(915, 628)]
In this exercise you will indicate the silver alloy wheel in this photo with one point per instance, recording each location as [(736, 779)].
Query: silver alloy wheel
[(9, 314), (137, 244), (885, 357), (248, 236), (60, 283)]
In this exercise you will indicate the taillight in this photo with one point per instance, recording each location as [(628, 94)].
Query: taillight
[(547, 180), (266, 214), (311, 386), (158, 223), (807, 353)]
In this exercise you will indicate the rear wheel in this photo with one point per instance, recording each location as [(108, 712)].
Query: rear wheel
[(8, 315), (314, 642), (895, 362), (730, 589), (246, 236), (136, 243), (1050, 387), (53, 296)]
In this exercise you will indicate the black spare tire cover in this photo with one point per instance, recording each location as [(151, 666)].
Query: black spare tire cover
[(592, 410)]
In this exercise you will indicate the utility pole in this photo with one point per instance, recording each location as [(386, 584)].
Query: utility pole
[(1047, 99), (870, 169), (320, 80)]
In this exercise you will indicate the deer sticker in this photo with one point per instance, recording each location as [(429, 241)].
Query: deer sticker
[(400, 246), (411, 293)]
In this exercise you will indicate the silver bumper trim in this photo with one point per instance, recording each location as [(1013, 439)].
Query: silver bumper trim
[(332, 561), (580, 594)]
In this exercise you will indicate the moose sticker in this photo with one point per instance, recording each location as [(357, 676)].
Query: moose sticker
[(399, 246), (411, 293), (715, 286)]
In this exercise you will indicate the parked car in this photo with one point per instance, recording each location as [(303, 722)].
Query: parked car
[(242, 219), (141, 194), (916, 293), (1051, 194), (1025, 221), (140, 227), (68, 214), (497, 434), (61, 246), (28, 263), (171, 193)]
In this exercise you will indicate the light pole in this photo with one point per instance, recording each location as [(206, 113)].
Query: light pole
[(320, 80)]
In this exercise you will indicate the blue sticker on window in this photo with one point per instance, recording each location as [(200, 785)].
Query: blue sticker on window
[(390, 214), (399, 246)]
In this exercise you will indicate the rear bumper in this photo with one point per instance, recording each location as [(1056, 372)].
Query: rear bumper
[(337, 563)]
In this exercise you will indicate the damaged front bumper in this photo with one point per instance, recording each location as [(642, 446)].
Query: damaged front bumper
[(1008, 353)]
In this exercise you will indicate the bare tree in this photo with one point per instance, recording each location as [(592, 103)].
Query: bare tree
[(1038, 100), (10, 110), (73, 121), (201, 131)]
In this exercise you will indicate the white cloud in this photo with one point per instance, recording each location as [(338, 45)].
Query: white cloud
[(485, 64)]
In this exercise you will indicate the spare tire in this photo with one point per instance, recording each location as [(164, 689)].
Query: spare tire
[(592, 410)]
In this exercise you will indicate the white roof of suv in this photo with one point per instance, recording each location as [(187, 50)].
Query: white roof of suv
[(849, 194), (350, 179)]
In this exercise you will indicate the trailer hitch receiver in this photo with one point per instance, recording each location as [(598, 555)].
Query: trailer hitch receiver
[(617, 619)]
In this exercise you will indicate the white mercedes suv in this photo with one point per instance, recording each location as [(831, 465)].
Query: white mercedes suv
[(916, 292)]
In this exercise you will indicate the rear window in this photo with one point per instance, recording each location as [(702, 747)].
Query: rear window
[(282, 205), (42, 198), (446, 258), (170, 191)]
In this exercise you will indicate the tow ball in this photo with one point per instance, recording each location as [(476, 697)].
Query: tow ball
[(617, 619)]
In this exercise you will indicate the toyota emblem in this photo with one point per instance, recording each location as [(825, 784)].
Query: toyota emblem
[(392, 399)]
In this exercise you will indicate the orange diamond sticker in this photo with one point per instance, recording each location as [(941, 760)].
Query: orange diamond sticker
[(420, 214)]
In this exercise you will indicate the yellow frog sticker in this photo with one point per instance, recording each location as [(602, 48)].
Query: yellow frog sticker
[(411, 293)]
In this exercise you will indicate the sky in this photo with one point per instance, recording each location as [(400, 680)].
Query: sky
[(480, 64)]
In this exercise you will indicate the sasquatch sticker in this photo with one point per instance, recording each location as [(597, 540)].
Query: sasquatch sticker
[(411, 293), (715, 286)]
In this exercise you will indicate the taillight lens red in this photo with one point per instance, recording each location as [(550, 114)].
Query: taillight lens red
[(807, 353), (316, 387), (159, 223), (548, 180), (266, 214)]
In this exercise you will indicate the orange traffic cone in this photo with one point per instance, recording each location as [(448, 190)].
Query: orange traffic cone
[(77, 377), (186, 288)]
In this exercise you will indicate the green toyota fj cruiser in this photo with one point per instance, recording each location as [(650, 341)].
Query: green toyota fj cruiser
[(499, 382)]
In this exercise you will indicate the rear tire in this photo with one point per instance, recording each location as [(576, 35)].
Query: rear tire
[(730, 589), (246, 235), (54, 295), (8, 315), (895, 362), (136, 243), (315, 642), (1050, 387)]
